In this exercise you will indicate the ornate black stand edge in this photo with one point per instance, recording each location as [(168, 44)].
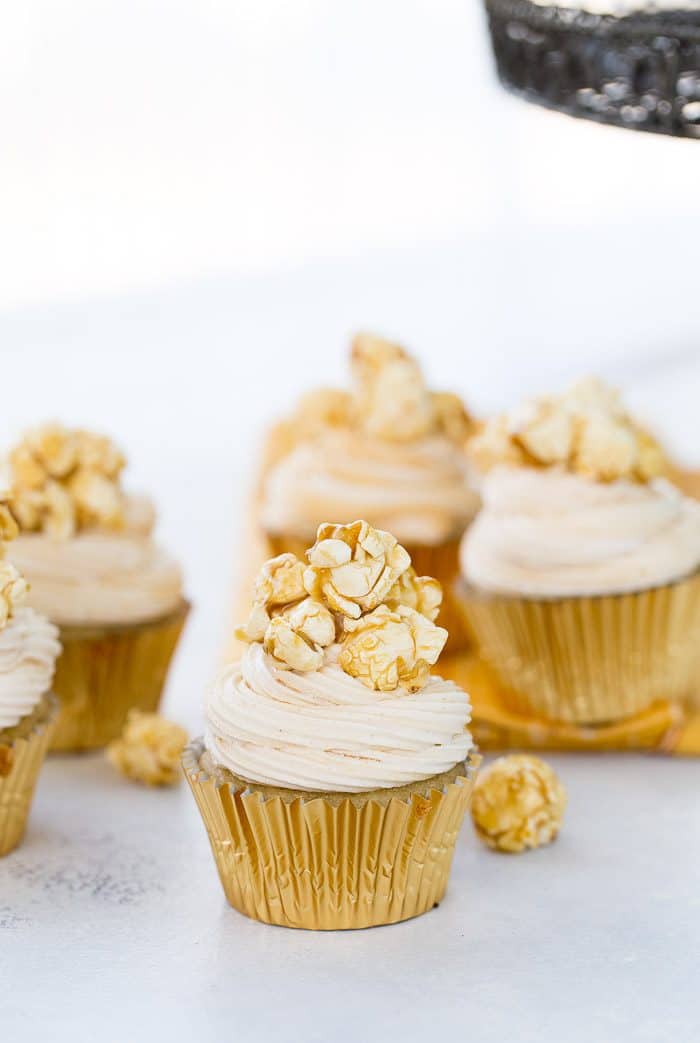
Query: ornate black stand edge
[(641, 71)]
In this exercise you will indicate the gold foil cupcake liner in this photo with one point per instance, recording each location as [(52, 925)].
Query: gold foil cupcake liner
[(20, 763), (105, 671), (331, 861), (441, 562), (589, 659)]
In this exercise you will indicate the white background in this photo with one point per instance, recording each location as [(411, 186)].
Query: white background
[(199, 202)]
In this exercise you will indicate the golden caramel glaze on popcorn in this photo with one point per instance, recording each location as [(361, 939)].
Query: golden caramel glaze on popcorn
[(360, 593), (385, 648), (149, 749), (585, 431), (518, 803), (422, 593), (353, 567), (64, 480)]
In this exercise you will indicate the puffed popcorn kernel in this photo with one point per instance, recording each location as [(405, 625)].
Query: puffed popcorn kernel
[(289, 648), (544, 431), (312, 621), (279, 583), (585, 430), (353, 567), (605, 449), (451, 417), (391, 397), (65, 479), (422, 593), (149, 749), (387, 649), (518, 803)]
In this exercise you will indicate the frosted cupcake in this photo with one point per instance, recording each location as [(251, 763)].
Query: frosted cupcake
[(28, 649), (580, 575), (335, 771), (86, 549), (389, 450)]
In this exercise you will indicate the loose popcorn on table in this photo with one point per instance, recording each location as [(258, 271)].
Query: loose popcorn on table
[(518, 803), (149, 749)]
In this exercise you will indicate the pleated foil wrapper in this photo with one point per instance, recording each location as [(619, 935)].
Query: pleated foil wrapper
[(441, 562), (105, 671), (332, 861), (589, 659), (20, 764)]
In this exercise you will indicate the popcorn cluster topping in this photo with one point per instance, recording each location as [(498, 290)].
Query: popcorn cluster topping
[(389, 400), (64, 480), (586, 431), (359, 592)]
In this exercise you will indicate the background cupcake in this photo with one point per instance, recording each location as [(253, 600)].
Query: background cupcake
[(335, 771), (580, 574), (389, 450), (28, 649), (85, 547)]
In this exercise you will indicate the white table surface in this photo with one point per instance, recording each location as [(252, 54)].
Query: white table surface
[(113, 926)]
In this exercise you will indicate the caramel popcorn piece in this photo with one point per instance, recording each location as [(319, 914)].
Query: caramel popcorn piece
[(290, 648), (386, 648), (353, 567), (605, 449), (391, 399), (518, 803), (585, 430), (451, 417), (421, 593), (312, 621), (149, 749), (64, 480), (545, 432), (279, 583)]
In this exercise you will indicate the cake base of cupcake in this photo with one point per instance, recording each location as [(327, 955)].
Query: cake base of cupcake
[(589, 659), (330, 861), (441, 562), (22, 752), (105, 671)]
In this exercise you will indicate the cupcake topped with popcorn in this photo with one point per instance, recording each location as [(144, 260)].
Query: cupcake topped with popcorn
[(388, 449), (575, 502), (580, 575), (334, 690), (85, 543), (331, 744)]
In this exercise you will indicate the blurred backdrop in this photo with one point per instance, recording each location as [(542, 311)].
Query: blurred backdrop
[(200, 201)]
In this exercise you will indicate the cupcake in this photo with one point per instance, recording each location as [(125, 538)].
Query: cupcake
[(86, 549), (580, 575), (390, 451), (28, 649), (335, 772)]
